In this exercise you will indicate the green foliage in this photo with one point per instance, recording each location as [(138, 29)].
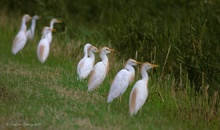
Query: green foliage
[(181, 36), (148, 29)]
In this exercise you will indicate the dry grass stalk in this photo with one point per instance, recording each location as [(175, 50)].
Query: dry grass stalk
[(168, 52)]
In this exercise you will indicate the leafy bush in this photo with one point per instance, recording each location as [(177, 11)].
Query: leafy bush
[(187, 27)]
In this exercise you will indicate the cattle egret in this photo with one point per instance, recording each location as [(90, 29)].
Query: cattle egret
[(85, 50), (21, 38), (139, 92), (44, 46), (100, 69), (121, 81), (30, 31), (51, 26), (85, 66)]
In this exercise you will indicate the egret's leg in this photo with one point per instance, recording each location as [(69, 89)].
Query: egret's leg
[(96, 88), (109, 107), (93, 96), (140, 111), (21, 53), (120, 98)]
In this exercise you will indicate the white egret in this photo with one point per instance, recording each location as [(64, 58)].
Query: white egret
[(100, 69), (121, 81), (85, 65), (85, 50), (44, 46), (30, 31), (139, 92), (51, 26), (21, 38)]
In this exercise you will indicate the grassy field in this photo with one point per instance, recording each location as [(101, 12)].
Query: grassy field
[(49, 96)]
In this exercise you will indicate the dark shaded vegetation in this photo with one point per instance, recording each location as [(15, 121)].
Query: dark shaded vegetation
[(182, 36), (5, 94)]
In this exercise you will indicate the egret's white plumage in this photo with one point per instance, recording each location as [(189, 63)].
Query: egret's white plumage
[(121, 81), (44, 46), (85, 50), (85, 65), (139, 92), (99, 70), (21, 38), (51, 26), (30, 31)]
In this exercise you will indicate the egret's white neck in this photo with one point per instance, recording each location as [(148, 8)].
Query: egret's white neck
[(91, 55), (131, 72), (104, 58), (33, 24), (23, 25), (144, 75), (85, 52), (51, 24), (129, 67), (44, 36)]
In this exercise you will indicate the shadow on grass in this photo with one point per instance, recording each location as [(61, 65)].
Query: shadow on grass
[(5, 94)]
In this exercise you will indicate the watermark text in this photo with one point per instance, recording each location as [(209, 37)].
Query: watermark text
[(23, 124)]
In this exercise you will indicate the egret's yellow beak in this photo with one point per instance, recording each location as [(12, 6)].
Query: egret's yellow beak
[(96, 49), (29, 19), (154, 66), (139, 63), (112, 50), (58, 21), (53, 30)]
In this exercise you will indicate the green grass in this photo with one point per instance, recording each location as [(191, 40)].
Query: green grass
[(50, 96)]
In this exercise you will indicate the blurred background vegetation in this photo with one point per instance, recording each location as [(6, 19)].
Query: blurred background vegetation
[(182, 36)]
